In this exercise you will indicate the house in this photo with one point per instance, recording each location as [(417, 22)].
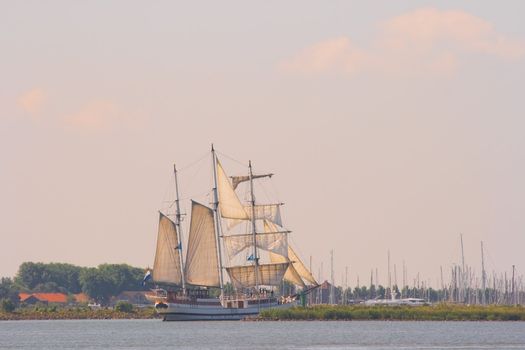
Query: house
[(81, 298), (321, 295), (44, 298)]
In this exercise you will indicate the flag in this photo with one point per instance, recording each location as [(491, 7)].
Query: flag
[(251, 258), (179, 246), (147, 277)]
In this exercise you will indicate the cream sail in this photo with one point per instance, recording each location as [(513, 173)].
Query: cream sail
[(275, 242), (230, 205), (271, 212), (201, 259), (297, 273), (166, 268), (264, 275)]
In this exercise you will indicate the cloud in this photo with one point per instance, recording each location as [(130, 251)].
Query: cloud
[(428, 29), (422, 41), (337, 54), (97, 115), (32, 101)]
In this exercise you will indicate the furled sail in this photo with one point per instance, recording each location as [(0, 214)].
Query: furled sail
[(201, 259), (236, 180), (166, 268), (271, 212), (275, 242), (229, 203), (267, 275)]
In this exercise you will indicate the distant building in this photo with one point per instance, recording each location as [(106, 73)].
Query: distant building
[(321, 295), (52, 298), (44, 298), (81, 298)]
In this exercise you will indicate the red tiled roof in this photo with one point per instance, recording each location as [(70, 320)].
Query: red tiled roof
[(23, 296), (325, 285), (81, 298), (52, 297), (49, 297)]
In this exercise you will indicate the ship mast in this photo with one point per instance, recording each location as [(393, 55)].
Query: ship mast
[(254, 229), (217, 217), (178, 221)]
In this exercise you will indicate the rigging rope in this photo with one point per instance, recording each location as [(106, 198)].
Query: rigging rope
[(230, 158)]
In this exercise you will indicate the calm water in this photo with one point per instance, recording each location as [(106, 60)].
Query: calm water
[(154, 334)]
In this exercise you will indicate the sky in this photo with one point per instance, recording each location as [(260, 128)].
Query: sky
[(390, 126)]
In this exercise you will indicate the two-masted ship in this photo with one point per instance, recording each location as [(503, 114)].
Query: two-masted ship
[(236, 256)]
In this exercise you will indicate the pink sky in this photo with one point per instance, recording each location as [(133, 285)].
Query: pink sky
[(396, 126)]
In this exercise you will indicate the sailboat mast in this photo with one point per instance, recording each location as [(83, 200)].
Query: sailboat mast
[(254, 228), (217, 217), (463, 275), (483, 277), (179, 229), (389, 275)]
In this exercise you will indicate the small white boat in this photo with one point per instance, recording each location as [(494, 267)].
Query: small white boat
[(405, 301)]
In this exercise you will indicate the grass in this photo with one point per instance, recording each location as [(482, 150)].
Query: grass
[(440, 312), (75, 313)]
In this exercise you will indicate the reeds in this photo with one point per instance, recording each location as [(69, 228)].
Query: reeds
[(76, 313), (441, 312)]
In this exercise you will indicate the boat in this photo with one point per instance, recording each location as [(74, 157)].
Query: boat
[(235, 258), (398, 302)]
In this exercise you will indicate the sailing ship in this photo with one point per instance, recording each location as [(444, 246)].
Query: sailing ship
[(236, 256)]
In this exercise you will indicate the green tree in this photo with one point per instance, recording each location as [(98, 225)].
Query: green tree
[(110, 280), (361, 293), (123, 277), (49, 287), (124, 306), (381, 292), (30, 274), (53, 277), (372, 293), (8, 290), (96, 285), (99, 283), (7, 305)]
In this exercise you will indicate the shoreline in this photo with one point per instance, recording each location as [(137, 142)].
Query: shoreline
[(439, 312), (77, 314)]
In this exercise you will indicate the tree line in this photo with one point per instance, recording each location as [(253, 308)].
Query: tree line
[(99, 283)]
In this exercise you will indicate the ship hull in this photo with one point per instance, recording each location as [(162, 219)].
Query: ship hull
[(196, 312)]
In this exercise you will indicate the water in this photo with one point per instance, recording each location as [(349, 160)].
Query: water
[(154, 334)]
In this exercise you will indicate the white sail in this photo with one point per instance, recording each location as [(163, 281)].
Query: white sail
[(201, 258), (275, 242), (291, 274), (271, 212), (229, 203), (298, 265), (268, 275), (297, 273), (166, 268)]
